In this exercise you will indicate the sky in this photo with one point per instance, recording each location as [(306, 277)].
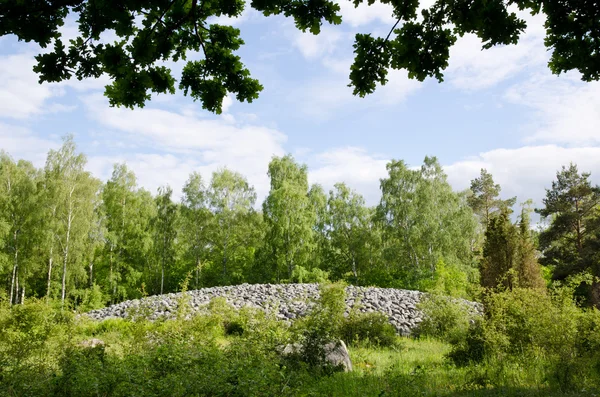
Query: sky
[(499, 109)]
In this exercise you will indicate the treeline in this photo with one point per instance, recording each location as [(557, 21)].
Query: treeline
[(66, 235)]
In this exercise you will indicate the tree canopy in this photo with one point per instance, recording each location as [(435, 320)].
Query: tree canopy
[(150, 32)]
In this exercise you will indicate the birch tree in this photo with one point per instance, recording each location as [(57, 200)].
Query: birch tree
[(231, 199), (73, 191), (349, 223), (165, 232), (18, 205), (128, 212), (195, 220), (289, 215), (424, 222)]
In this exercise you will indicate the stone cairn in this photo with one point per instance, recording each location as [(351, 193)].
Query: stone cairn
[(290, 301)]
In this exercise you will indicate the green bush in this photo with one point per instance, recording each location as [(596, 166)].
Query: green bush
[(443, 318), (530, 327), (368, 329), (321, 326)]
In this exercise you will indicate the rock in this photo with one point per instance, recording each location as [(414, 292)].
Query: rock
[(337, 354), (285, 301)]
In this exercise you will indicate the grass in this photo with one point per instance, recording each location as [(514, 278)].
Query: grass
[(419, 368)]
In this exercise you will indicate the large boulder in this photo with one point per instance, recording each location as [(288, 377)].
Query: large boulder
[(336, 353)]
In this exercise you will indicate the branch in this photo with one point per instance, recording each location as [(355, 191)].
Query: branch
[(391, 30), (194, 4), (160, 18)]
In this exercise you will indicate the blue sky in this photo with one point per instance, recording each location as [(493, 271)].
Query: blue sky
[(500, 109)]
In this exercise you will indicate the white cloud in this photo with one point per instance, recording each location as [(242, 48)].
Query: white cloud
[(365, 14), (21, 143), (565, 110), (315, 46), (227, 102), (351, 165), (524, 172), (192, 142), (152, 170), (397, 89), (471, 68), (20, 93), (324, 98)]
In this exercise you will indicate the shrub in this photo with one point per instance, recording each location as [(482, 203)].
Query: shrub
[(528, 327), (368, 328), (321, 326), (443, 318)]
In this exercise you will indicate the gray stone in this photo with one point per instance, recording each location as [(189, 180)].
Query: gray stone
[(336, 353), (287, 301)]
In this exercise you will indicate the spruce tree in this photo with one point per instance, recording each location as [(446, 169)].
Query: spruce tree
[(509, 256), (528, 267), (499, 252)]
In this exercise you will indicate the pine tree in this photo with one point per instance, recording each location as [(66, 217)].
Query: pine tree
[(572, 204), (485, 201)]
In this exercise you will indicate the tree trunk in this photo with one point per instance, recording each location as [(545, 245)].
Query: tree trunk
[(197, 271), (66, 250), (12, 283), (91, 283), (225, 256), (17, 287), (110, 275), (15, 269), (162, 269), (23, 294), (49, 273)]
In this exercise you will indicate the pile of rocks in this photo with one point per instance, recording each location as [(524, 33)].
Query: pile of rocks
[(288, 300)]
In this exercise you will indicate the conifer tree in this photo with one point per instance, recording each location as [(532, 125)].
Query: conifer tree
[(528, 268), (499, 252), (509, 256)]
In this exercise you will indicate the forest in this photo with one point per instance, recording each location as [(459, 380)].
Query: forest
[(67, 236), (72, 243)]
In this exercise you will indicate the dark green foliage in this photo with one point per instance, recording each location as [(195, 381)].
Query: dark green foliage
[(572, 31), (172, 29), (234, 328), (573, 206), (509, 257)]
